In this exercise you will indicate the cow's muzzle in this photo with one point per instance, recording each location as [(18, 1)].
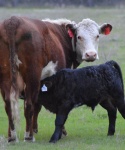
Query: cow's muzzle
[(90, 56)]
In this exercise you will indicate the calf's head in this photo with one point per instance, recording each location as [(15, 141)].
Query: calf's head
[(85, 38)]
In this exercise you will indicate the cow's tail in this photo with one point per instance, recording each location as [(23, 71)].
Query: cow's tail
[(116, 65), (11, 26)]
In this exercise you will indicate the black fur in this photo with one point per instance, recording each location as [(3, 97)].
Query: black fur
[(89, 86), (93, 85), (82, 86)]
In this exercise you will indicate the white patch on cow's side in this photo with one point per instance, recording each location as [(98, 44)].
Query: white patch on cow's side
[(49, 70), (18, 62), (14, 135), (87, 40), (59, 21)]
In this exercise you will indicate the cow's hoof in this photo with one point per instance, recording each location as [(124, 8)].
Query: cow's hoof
[(29, 139), (13, 140)]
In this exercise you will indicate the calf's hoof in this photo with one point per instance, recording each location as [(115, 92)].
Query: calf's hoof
[(53, 141), (55, 138), (110, 134)]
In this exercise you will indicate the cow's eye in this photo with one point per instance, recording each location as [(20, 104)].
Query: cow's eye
[(79, 37), (97, 36)]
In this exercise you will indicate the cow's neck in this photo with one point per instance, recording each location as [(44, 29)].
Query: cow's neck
[(74, 40), (74, 60), (74, 57)]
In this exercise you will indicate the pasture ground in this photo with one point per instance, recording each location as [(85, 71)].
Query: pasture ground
[(86, 130)]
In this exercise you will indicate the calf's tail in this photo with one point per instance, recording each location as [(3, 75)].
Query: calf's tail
[(116, 65), (120, 102)]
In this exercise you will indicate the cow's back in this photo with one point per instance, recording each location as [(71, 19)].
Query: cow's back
[(38, 42)]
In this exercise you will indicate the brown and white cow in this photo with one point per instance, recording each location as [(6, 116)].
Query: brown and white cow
[(31, 50)]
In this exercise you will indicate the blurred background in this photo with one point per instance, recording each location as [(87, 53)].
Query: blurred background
[(61, 3)]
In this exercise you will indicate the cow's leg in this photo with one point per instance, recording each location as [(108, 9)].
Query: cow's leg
[(37, 108), (28, 112), (59, 122), (12, 136), (112, 112), (31, 93)]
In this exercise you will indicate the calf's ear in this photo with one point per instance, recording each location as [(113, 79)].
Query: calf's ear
[(105, 29), (71, 29)]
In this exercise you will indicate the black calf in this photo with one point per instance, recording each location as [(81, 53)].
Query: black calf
[(89, 86)]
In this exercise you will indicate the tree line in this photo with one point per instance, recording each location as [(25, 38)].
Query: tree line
[(38, 3)]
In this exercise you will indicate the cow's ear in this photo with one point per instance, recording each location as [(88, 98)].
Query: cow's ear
[(105, 29), (71, 29)]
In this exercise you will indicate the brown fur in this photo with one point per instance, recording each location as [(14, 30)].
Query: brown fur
[(34, 43)]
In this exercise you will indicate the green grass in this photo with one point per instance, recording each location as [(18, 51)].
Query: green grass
[(86, 130)]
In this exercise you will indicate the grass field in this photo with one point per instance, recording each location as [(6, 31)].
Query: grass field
[(86, 130)]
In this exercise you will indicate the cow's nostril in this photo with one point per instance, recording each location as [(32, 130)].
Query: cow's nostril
[(87, 54), (91, 55)]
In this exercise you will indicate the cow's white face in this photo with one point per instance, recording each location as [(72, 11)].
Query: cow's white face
[(85, 38)]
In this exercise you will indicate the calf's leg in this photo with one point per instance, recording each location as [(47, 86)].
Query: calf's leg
[(118, 98), (59, 126), (112, 112)]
